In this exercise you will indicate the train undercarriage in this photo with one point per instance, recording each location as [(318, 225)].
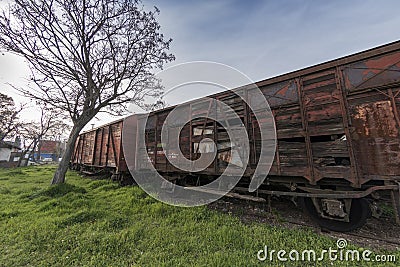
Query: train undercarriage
[(333, 205)]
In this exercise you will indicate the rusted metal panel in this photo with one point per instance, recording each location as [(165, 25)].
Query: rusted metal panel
[(376, 138), (373, 72), (374, 120), (277, 95)]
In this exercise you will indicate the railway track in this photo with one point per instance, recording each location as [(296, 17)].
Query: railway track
[(377, 238), (345, 234)]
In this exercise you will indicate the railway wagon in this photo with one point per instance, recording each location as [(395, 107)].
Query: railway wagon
[(338, 140), (100, 151)]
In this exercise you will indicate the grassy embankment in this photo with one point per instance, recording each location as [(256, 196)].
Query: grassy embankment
[(98, 223)]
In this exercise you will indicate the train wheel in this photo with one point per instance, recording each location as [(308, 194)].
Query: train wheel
[(359, 213)]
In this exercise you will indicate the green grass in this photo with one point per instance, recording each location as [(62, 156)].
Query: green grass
[(88, 222)]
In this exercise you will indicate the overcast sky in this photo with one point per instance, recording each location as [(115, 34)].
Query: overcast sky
[(262, 39)]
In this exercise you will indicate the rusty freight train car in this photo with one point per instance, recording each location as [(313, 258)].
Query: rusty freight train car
[(338, 139), (99, 151)]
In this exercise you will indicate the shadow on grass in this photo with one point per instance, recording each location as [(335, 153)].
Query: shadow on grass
[(59, 190)]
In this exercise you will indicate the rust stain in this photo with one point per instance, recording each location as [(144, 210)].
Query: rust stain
[(377, 65), (375, 119), (283, 91), (373, 72)]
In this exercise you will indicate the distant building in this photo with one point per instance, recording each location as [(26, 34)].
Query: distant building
[(7, 152), (49, 150)]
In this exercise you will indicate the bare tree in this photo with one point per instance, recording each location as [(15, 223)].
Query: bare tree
[(33, 132), (53, 134), (28, 132), (9, 121), (86, 56), (50, 126)]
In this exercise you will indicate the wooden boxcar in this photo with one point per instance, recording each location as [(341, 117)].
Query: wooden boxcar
[(99, 150), (338, 139)]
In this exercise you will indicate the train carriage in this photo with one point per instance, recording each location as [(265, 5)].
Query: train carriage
[(337, 128)]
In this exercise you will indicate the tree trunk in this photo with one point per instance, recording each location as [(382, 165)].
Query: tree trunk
[(32, 153), (39, 151), (59, 176), (21, 157), (23, 154)]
